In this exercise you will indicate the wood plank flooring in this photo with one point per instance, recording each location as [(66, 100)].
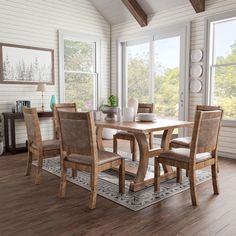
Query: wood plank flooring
[(27, 209)]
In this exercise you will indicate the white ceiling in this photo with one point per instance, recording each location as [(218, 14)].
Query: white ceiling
[(115, 12)]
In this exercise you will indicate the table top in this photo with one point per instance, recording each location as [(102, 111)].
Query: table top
[(144, 127), (20, 115)]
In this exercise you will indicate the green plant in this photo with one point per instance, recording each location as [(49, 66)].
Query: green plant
[(112, 101)]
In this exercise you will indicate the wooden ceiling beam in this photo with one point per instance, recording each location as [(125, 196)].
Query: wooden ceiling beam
[(198, 5), (137, 11)]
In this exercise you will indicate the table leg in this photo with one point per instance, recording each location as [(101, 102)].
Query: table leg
[(6, 132), (13, 136), (143, 162), (139, 181), (165, 144), (99, 138)]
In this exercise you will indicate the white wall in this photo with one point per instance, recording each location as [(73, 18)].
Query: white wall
[(35, 23), (227, 141)]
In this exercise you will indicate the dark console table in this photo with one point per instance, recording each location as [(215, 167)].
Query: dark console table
[(9, 116)]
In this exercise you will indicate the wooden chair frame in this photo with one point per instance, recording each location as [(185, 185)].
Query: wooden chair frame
[(35, 143), (94, 167)]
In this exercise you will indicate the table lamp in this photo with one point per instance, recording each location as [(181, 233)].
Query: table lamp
[(42, 88)]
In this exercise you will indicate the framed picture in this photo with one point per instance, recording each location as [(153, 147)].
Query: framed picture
[(26, 65)]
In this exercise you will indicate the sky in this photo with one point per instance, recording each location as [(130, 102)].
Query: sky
[(225, 36), (166, 51)]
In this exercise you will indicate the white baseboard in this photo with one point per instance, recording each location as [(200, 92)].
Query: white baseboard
[(227, 155)]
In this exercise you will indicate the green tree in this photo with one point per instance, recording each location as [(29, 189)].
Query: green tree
[(225, 83)]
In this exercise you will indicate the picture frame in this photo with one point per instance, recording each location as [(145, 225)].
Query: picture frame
[(26, 65)]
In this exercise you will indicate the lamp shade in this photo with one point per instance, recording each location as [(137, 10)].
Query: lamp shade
[(42, 87)]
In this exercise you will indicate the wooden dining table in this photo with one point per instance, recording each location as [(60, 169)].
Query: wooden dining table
[(140, 130)]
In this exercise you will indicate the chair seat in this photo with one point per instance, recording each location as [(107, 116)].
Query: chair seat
[(184, 142), (183, 154), (103, 157), (48, 145), (124, 135)]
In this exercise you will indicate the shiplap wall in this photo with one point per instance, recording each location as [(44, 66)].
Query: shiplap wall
[(36, 23), (170, 17)]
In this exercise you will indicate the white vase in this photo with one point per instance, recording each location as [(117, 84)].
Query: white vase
[(133, 102), (108, 133), (1, 148), (128, 114)]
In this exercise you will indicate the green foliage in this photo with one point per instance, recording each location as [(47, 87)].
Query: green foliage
[(166, 94), (112, 101), (79, 89), (138, 74), (225, 84), (79, 76)]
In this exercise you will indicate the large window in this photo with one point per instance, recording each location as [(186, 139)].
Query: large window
[(152, 73), (79, 72), (222, 65)]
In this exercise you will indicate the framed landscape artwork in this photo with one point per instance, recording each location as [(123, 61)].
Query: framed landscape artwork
[(26, 65)]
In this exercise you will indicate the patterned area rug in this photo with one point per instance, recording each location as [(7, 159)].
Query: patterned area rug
[(108, 184)]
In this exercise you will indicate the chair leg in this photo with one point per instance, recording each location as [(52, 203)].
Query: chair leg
[(115, 144), (74, 173), (186, 173), (93, 195), (214, 172), (179, 176), (29, 163), (63, 182), (38, 177), (133, 150), (157, 174), (122, 176), (193, 191), (150, 140)]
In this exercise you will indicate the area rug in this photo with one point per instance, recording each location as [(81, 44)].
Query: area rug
[(108, 184)]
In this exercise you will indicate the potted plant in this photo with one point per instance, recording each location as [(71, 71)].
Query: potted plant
[(1, 134), (110, 109)]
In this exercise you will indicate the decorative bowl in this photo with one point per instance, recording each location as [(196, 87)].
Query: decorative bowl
[(146, 116), (109, 111)]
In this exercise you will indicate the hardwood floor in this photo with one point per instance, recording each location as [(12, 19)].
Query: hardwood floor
[(29, 209)]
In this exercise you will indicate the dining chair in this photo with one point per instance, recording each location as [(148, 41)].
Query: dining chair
[(202, 152), (62, 107), (142, 108), (79, 151), (36, 146)]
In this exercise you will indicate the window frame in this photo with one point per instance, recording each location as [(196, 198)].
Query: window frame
[(63, 35), (183, 30), (209, 57)]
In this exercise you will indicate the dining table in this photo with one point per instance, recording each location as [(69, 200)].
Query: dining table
[(140, 131)]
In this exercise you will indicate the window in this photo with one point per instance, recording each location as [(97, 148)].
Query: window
[(222, 65), (153, 72), (79, 72), (138, 71)]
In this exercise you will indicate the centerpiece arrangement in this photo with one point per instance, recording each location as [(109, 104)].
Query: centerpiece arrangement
[(110, 109)]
